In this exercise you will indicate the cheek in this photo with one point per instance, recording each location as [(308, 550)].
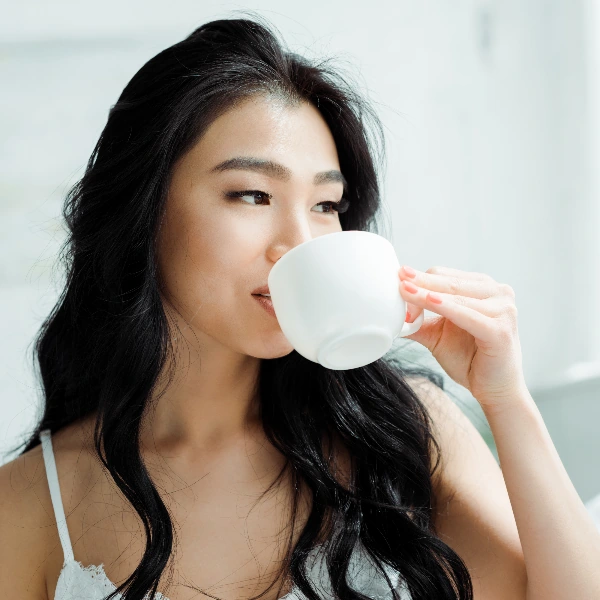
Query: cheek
[(205, 259)]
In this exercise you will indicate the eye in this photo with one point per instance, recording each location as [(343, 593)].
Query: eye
[(248, 194), (341, 206)]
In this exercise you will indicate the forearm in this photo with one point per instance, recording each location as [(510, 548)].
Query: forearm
[(560, 542)]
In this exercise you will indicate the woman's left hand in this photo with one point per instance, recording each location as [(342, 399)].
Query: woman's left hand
[(475, 337)]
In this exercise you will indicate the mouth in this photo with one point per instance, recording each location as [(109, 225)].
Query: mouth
[(266, 302)]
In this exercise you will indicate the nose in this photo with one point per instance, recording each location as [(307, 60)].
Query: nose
[(289, 236), (282, 248)]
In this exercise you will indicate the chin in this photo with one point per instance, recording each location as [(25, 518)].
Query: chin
[(273, 346)]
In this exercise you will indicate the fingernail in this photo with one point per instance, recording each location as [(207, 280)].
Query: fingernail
[(410, 272), (409, 287)]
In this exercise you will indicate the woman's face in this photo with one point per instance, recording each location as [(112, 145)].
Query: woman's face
[(214, 250)]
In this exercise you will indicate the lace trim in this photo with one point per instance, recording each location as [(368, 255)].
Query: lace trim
[(72, 587), (94, 572), (98, 574)]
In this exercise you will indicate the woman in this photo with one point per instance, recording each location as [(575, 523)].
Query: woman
[(172, 399)]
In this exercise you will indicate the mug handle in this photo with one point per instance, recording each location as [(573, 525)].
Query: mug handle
[(410, 328)]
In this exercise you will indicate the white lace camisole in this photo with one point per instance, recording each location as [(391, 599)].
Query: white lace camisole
[(77, 582)]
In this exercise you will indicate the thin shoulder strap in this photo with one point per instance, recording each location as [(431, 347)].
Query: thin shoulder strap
[(59, 511)]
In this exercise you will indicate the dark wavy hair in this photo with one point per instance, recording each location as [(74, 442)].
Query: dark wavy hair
[(106, 340)]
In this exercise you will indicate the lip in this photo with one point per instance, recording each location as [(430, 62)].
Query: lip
[(267, 304), (262, 290)]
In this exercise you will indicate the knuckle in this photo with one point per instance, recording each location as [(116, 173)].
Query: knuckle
[(507, 290), (512, 317), (461, 300), (491, 331), (477, 276), (501, 335), (506, 331), (455, 284)]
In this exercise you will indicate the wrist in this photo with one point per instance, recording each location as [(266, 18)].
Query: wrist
[(516, 401)]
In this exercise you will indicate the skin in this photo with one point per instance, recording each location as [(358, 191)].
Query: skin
[(214, 251), (555, 551)]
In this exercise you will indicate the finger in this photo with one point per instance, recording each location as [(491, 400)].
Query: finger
[(456, 284), (494, 306), (458, 273), (472, 320), (412, 312)]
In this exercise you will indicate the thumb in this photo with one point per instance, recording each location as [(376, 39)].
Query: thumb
[(429, 332)]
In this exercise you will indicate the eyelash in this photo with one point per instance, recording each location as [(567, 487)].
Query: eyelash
[(340, 207)]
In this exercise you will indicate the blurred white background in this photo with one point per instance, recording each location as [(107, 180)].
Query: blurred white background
[(493, 140)]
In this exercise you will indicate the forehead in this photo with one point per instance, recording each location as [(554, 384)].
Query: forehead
[(270, 128)]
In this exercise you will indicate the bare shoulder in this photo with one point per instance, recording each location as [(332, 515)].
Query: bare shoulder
[(453, 432), (461, 446), (30, 543), (25, 516), (473, 514)]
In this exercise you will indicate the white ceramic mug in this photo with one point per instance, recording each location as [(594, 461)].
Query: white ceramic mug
[(337, 299)]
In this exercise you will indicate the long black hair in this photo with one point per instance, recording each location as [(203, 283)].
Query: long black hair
[(101, 349)]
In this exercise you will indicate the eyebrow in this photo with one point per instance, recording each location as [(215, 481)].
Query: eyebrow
[(274, 169)]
